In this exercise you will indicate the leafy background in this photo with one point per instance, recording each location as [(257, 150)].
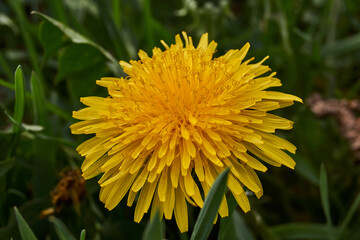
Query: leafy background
[(66, 45)]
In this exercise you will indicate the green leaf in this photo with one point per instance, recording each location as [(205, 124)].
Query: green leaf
[(5, 166), (153, 229), (83, 234), (78, 57), (19, 98), (51, 38), (25, 231), (78, 38), (61, 230), (81, 65), (204, 222), (301, 231)]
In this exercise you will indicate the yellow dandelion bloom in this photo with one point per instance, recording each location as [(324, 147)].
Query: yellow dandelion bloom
[(179, 119)]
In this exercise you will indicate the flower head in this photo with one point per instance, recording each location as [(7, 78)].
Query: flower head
[(179, 119)]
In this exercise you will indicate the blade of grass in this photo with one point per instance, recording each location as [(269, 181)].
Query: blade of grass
[(301, 231), (19, 98), (204, 222), (24, 26), (83, 234), (39, 105), (354, 206), (284, 29), (44, 152), (343, 47), (25, 231), (76, 37), (116, 13), (61, 230), (7, 84), (110, 26), (148, 24), (324, 194), (56, 140), (153, 229), (55, 109)]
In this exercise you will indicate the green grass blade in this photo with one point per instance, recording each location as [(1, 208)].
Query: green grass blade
[(25, 231), (354, 206), (324, 194), (110, 26), (61, 230), (204, 223), (78, 38), (83, 234), (24, 26), (7, 84), (37, 92), (59, 112), (148, 24), (44, 168), (343, 47), (19, 98), (55, 109), (153, 229), (116, 12), (301, 231)]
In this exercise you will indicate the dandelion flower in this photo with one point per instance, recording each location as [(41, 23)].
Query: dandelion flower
[(178, 119)]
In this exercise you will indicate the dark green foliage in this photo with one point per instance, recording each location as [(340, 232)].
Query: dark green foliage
[(314, 46)]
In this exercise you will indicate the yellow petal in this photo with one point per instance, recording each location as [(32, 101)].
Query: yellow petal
[(181, 214), (184, 133), (163, 186), (189, 184), (145, 197)]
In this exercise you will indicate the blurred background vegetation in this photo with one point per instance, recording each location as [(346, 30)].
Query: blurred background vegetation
[(314, 46)]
